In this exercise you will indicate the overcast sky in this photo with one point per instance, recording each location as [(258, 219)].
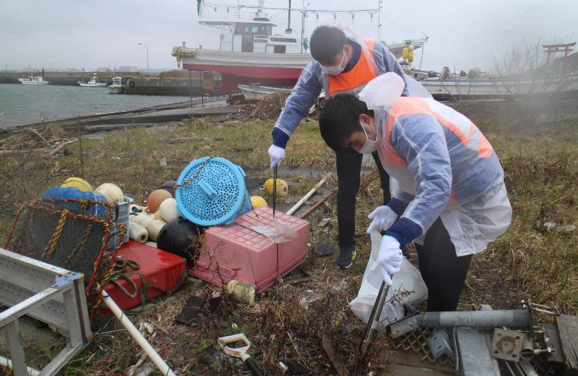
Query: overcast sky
[(87, 34)]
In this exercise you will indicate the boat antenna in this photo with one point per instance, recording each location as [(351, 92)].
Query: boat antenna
[(378, 21), (289, 31)]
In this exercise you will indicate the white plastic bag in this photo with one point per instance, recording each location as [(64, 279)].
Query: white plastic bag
[(279, 233), (408, 279)]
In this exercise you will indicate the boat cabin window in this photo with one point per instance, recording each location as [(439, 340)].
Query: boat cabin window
[(279, 49), (252, 29)]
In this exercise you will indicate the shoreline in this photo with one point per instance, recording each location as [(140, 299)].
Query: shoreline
[(141, 116)]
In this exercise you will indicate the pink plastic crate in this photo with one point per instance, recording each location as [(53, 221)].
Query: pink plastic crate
[(237, 252)]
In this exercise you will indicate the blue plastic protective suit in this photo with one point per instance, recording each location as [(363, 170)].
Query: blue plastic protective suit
[(445, 167), (312, 80)]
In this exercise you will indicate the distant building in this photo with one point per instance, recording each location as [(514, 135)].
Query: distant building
[(103, 69), (128, 68)]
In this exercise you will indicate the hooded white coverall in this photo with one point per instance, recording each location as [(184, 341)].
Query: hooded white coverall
[(445, 168)]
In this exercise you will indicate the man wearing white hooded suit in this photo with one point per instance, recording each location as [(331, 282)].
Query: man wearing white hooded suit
[(452, 200)]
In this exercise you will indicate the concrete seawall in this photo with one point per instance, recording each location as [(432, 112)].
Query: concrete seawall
[(135, 83), (65, 78)]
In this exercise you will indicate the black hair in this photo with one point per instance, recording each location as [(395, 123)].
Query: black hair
[(339, 119), (326, 43)]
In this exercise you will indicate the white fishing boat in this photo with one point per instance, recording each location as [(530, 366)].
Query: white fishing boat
[(33, 80), (466, 88), (462, 88), (257, 92), (250, 52), (94, 82), (117, 87)]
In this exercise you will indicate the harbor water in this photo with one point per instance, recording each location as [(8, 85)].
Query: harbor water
[(26, 104)]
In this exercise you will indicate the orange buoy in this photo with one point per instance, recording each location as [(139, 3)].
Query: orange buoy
[(155, 199)]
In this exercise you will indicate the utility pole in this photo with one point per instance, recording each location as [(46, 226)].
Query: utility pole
[(378, 21), (303, 16), (142, 44)]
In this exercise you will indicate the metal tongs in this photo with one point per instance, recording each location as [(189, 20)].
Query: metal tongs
[(373, 321)]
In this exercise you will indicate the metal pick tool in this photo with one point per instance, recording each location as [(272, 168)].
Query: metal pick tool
[(274, 189)]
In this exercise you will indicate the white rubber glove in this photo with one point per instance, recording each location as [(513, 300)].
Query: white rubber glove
[(277, 154), (383, 218), (389, 258)]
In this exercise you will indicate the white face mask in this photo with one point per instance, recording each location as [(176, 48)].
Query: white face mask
[(370, 146), (336, 69)]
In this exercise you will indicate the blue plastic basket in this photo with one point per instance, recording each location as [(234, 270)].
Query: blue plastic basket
[(213, 193)]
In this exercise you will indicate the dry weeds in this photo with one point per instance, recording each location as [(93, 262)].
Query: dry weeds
[(541, 165)]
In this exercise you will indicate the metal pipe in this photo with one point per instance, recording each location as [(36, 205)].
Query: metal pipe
[(5, 362), (518, 318), (133, 331)]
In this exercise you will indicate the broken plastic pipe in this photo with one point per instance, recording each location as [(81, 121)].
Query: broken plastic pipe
[(4, 362), (306, 197), (138, 337)]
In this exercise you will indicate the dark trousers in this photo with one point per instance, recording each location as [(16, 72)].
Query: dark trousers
[(442, 270), (348, 180)]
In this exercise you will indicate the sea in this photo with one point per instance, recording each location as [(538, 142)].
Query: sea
[(27, 104)]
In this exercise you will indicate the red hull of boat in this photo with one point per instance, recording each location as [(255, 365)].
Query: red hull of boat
[(236, 75)]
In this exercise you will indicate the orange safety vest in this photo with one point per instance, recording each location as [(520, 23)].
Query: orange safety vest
[(466, 132), (462, 127), (353, 81)]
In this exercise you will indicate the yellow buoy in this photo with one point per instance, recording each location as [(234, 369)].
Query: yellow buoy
[(257, 202), (77, 183), (282, 187), (405, 52), (410, 56)]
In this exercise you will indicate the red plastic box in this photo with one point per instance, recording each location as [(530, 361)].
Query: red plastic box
[(163, 271), (237, 252)]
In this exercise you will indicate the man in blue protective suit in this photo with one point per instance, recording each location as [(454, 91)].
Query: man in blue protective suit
[(451, 199), (341, 64)]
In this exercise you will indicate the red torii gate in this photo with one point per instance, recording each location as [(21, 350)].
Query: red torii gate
[(553, 48)]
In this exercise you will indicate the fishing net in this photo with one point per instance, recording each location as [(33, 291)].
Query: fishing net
[(76, 234)]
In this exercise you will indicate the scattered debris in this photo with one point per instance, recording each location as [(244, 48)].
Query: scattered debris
[(270, 107), (567, 228), (49, 138), (242, 292), (323, 250), (197, 309), (549, 226), (297, 275), (330, 351)]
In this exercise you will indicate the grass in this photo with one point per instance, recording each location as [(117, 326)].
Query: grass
[(540, 160)]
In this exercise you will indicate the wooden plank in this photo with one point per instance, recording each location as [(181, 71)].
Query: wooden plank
[(330, 351), (407, 363), (568, 331), (401, 370)]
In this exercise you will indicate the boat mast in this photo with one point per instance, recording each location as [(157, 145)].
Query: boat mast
[(289, 31), (303, 16), (378, 21)]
